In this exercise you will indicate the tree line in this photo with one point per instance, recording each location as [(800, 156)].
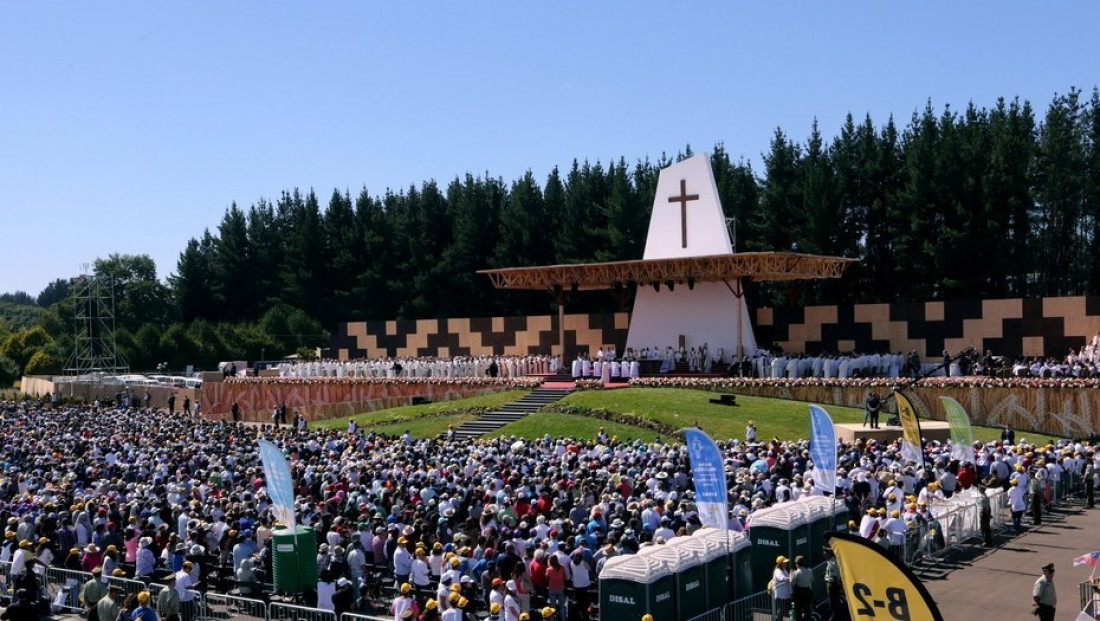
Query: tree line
[(954, 204)]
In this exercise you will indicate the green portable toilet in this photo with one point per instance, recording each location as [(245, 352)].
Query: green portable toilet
[(690, 575), (294, 559), (716, 565), (840, 516), (819, 520), (634, 585), (803, 534), (741, 565), (739, 559), (829, 516), (773, 532)]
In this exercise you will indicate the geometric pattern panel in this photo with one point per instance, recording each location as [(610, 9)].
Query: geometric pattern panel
[(479, 336), (1009, 327), (1064, 412)]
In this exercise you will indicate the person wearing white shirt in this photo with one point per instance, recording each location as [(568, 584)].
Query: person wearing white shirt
[(781, 589)]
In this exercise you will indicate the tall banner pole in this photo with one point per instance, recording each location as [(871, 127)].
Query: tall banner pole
[(912, 447), (962, 438), (708, 472), (823, 452)]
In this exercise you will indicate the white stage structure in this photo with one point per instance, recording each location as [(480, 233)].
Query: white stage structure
[(689, 285), (688, 221)]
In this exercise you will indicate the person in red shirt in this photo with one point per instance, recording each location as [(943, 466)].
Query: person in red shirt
[(537, 569), (966, 476), (555, 583)]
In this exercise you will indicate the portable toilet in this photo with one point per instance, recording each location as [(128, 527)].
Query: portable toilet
[(294, 559), (634, 585), (802, 539), (715, 553), (772, 532), (690, 577), (740, 552), (820, 519), (831, 516)]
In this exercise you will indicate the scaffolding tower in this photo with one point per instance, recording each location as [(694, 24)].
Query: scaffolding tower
[(95, 351)]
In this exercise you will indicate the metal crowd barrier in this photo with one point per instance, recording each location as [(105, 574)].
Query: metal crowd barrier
[(288, 612), (758, 607), (351, 616), (67, 581), (232, 607), (128, 586), (1090, 598), (5, 581)]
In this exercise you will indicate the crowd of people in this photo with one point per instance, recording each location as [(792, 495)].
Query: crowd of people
[(424, 366), (453, 526)]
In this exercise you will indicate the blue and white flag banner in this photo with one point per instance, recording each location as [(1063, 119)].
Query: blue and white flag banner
[(709, 475), (278, 483), (823, 449)]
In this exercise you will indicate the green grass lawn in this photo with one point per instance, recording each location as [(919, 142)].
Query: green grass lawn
[(675, 407), (432, 410), (425, 427), (582, 427), (680, 407)]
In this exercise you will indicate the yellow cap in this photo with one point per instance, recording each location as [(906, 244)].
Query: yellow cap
[(462, 601), (780, 559), (431, 604), (494, 608), (406, 588), (547, 612), (647, 617), (143, 597)]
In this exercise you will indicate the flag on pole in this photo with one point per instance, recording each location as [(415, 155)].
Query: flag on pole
[(708, 472), (962, 438), (1092, 559), (912, 448), (279, 488), (823, 449)]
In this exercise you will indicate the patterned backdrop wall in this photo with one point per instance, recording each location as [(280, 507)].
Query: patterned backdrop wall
[(1015, 327), (479, 336)]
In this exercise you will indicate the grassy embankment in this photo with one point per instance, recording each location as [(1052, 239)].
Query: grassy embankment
[(660, 407)]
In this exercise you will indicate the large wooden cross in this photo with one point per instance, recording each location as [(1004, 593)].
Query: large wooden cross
[(683, 199)]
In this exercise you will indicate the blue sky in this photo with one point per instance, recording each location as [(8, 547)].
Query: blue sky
[(131, 126)]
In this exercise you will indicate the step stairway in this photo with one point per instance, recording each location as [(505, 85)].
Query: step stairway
[(511, 412)]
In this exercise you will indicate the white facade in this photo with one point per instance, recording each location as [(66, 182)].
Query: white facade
[(688, 221)]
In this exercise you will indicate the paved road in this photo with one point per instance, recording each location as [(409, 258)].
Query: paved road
[(996, 583)]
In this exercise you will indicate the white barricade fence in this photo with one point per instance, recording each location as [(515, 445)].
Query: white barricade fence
[(288, 612)]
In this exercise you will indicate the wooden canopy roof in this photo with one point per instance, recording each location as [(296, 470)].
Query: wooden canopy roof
[(760, 266)]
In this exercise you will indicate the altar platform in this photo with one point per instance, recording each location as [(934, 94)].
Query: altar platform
[(930, 429)]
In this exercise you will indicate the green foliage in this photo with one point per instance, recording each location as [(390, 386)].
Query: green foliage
[(9, 371), (44, 363), (18, 316), (22, 345), (139, 297), (55, 292), (19, 298)]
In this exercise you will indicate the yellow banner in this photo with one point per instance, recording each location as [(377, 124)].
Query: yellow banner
[(911, 445), (879, 587)]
